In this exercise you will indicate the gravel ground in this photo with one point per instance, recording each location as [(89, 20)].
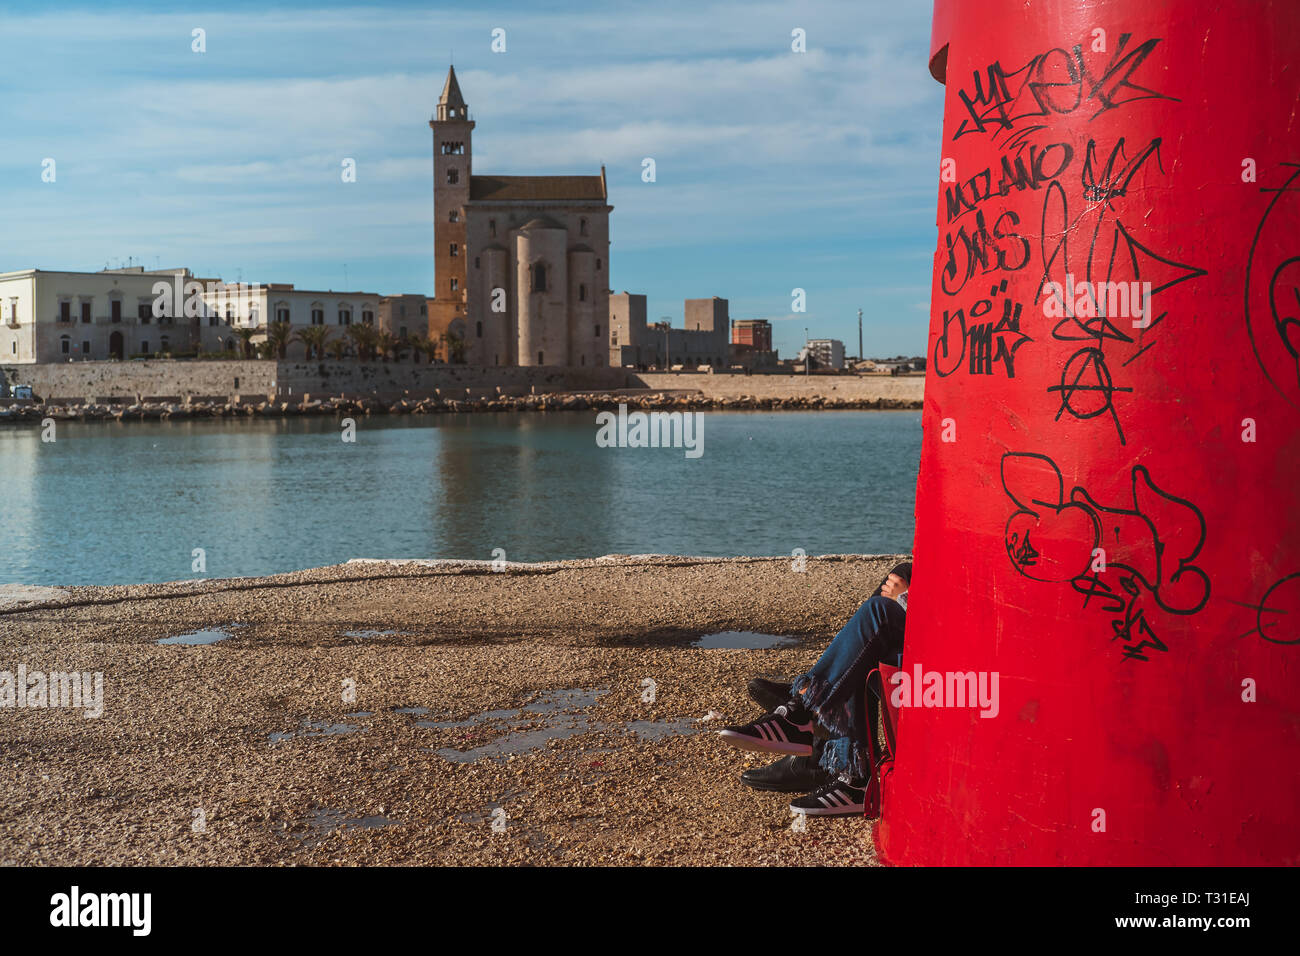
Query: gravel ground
[(283, 744)]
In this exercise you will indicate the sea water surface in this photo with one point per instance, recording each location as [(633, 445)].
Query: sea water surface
[(121, 503)]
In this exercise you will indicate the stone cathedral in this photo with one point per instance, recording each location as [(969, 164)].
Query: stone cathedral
[(522, 262)]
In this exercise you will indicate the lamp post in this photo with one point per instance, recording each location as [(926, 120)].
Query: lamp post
[(860, 355), (807, 352)]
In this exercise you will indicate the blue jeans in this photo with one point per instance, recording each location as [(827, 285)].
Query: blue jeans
[(835, 690)]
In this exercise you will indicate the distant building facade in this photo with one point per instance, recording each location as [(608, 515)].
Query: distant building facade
[(404, 316), (751, 343), (521, 262), (633, 342), (131, 313), (827, 353), (70, 316)]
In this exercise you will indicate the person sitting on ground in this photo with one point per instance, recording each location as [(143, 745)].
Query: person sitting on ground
[(832, 696)]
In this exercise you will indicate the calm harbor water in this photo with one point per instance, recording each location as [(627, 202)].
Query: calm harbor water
[(112, 503)]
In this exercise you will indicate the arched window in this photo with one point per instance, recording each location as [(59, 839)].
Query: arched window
[(539, 277), (478, 329), (582, 227), (539, 359), (582, 292)]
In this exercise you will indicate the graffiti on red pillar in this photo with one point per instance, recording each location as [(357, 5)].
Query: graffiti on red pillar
[(1053, 82), (1092, 343), (1273, 289), (1151, 540)]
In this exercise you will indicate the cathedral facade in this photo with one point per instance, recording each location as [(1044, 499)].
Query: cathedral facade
[(521, 262)]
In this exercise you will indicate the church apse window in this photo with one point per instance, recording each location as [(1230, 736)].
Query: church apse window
[(597, 331), (492, 227), (582, 292), (478, 329), (539, 278)]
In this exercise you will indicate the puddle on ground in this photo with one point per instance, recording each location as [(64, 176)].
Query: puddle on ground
[(742, 640), (324, 821), (520, 737), (361, 713), (377, 633), (410, 710), (314, 728), (209, 636)]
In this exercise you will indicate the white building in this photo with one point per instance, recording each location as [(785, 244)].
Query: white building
[(252, 306), (124, 313), (827, 353), (70, 316)]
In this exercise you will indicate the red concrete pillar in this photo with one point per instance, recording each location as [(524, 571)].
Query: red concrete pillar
[(1107, 514)]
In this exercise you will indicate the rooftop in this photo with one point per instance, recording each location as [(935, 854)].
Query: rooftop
[(526, 188)]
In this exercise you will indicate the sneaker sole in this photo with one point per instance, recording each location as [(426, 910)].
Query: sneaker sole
[(831, 811), (745, 742), (805, 787)]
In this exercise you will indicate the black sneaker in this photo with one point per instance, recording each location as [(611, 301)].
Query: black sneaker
[(835, 799), (774, 733), (768, 694), (787, 775)]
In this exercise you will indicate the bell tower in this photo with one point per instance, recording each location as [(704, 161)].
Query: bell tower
[(452, 155)]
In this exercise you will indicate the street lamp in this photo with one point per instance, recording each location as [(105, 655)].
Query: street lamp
[(860, 355), (807, 351)]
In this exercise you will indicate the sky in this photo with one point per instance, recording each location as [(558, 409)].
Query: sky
[(775, 170)]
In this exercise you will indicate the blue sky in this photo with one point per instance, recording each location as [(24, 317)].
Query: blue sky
[(775, 169)]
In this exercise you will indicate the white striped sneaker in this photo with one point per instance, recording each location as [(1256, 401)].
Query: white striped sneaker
[(835, 799), (773, 733)]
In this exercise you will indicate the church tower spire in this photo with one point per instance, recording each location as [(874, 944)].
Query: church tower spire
[(451, 105)]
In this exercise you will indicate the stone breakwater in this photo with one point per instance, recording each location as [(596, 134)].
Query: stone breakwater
[(163, 411)]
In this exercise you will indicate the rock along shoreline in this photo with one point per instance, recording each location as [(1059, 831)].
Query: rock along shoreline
[(164, 411)]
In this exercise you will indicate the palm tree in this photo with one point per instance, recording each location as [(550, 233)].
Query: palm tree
[(245, 341), (338, 348), (278, 335), (455, 347), (363, 339), (385, 344), (314, 338)]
